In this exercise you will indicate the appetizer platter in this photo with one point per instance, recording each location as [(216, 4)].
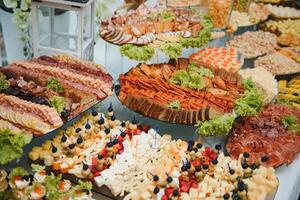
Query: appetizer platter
[(134, 161), (254, 44), (38, 95), (186, 91), (19, 184), (288, 91), (147, 31), (146, 25), (273, 135)]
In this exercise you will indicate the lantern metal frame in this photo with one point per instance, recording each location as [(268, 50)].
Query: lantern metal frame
[(81, 46)]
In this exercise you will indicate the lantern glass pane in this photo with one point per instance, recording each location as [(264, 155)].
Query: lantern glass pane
[(87, 25), (57, 29)]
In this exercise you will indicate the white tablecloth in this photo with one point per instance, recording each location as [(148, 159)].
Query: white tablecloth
[(289, 181)]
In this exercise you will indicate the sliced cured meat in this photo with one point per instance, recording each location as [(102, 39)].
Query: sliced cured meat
[(264, 135), (44, 113), (64, 76), (75, 65)]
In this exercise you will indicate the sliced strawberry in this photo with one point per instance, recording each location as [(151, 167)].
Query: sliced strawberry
[(164, 197), (193, 184), (95, 174), (94, 161), (169, 191)]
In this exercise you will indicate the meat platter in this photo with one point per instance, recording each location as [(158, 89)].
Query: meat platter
[(158, 91), (133, 160), (272, 135), (145, 25), (41, 94)]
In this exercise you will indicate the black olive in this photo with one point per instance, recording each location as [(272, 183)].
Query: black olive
[(198, 168), (190, 148), (94, 113), (155, 178), (26, 178), (169, 179), (107, 130), (88, 126), (101, 121), (63, 138), (215, 161), (79, 140), (116, 141), (123, 134), (110, 144), (184, 168), (65, 114), (199, 145), (86, 191), (254, 167), (14, 91), (123, 124), (188, 165), (40, 100), (218, 147), (156, 190), (85, 167), (191, 142), (245, 165), (241, 186), (196, 150), (110, 108), (113, 118), (264, 158), (78, 130), (226, 196), (54, 149), (71, 146), (175, 193), (134, 121), (205, 166), (231, 171), (246, 155), (30, 176), (100, 156)]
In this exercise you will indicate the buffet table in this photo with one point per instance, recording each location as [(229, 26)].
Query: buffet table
[(289, 176), (199, 97)]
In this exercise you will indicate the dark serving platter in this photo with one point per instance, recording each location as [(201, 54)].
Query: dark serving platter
[(104, 191)]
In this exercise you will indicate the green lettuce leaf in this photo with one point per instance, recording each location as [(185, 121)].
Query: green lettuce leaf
[(291, 122), (18, 171), (3, 84), (51, 184), (58, 103), (203, 37), (173, 50), (250, 102), (174, 104), (37, 168), (11, 145), (218, 126), (139, 53), (192, 77), (54, 84)]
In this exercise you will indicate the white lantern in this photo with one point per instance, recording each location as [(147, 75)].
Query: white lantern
[(61, 26)]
